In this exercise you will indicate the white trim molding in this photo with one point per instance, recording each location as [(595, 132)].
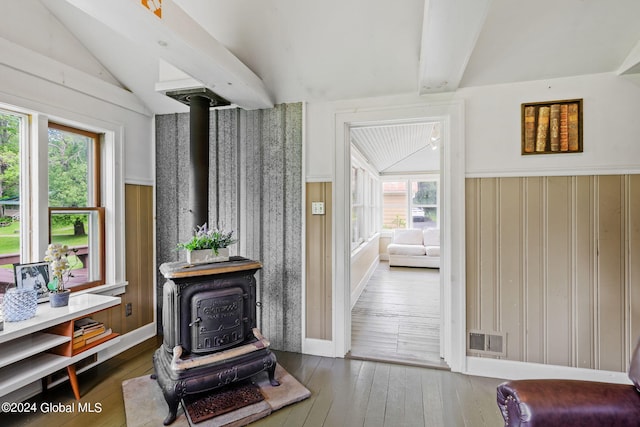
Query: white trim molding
[(451, 114), (511, 370), (316, 347)]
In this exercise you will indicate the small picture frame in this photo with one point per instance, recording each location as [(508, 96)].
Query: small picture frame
[(33, 275), (552, 127)]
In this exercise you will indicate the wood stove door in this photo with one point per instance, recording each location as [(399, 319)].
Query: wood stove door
[(217, 320)]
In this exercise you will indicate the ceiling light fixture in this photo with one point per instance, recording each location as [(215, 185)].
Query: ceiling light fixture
[(434, 139)]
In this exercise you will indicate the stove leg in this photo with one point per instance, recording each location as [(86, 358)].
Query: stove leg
[(173, 411), (272, 375)]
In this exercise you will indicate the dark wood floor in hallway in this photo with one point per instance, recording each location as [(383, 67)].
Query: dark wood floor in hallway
[(397, 317)]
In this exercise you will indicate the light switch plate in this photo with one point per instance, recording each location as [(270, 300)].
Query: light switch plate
[(317, 208)]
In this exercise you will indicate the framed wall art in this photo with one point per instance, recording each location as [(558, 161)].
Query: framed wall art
[(552, 127)]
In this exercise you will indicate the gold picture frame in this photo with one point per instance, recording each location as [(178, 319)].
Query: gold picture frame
[(552, 127)]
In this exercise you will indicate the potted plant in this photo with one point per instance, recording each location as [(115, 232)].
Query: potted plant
[(208, 245), (57, 256)]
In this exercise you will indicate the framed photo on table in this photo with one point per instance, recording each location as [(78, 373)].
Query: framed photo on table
[(34, 275)]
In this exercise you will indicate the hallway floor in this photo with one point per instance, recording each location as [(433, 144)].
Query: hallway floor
[(397, 317)]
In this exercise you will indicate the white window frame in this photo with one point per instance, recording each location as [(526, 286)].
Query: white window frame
[(409, 180), (367, 202), (34, 187)]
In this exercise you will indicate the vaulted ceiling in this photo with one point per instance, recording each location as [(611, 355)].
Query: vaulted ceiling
[(343, 49), (272, 51)]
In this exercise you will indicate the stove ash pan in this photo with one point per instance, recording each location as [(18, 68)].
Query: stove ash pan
[(206, 317)]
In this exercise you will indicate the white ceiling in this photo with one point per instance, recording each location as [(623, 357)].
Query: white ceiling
[(345, 49), (399, 148)]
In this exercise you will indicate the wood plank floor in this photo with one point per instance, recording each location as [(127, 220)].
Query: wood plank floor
[(397, 317), (344, 392)]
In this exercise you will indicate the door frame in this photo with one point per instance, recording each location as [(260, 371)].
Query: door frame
[(452, 262)]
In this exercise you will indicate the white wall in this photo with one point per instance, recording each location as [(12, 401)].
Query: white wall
[(36, 84), (610, 127), (46, 69), (30, 24), (487, 142)]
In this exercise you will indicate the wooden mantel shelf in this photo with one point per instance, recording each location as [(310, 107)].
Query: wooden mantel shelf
[(177, 270)]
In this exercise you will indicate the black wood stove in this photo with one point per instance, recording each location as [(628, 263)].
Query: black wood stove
[(209, 325)]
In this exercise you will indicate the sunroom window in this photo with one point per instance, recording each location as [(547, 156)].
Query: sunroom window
[(411, 203)]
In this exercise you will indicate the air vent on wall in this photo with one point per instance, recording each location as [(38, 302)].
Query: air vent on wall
[(487, 343)]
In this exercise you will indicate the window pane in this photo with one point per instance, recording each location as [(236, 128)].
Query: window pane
[(425, 192), (357, 208), (424, 204), (10, 136), (80, 231), (76, 218), (70, 173), (394, 201)]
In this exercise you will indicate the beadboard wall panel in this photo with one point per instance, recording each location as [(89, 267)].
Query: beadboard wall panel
[(533, 305), (633, 197), (255, 188), (318, 262), (585, 238), (552, 262), (557, 267), (140, 265), (510, 267), (610, 282)]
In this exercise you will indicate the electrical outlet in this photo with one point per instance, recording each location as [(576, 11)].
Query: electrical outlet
[(128, 309)]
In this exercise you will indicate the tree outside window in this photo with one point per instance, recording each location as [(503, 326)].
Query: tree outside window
[(410, 203), (11, 134), (76, 218)]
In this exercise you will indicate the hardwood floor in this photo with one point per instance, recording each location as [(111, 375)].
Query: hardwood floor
[(344, 392), (397, 317), (100, 386)]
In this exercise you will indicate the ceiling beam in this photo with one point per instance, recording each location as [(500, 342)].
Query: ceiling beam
[(631, 64), (450, 30), (177, 39)]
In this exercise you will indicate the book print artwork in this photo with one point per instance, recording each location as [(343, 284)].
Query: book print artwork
[(552, 127)]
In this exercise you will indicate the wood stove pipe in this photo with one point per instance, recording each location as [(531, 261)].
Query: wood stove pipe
[(199, 160), (199, 100)]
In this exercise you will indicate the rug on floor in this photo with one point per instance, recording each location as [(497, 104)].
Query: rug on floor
[(145, 406)]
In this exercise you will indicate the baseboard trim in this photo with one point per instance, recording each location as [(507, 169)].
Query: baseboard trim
[(355, 294), (318, 347), (511, 370)]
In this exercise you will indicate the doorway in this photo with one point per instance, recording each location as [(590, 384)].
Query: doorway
[(450, 114), (395, 176)]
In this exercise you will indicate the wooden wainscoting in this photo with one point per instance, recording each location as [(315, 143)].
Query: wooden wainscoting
[(553, 263), (318, 262), (140, 268)]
